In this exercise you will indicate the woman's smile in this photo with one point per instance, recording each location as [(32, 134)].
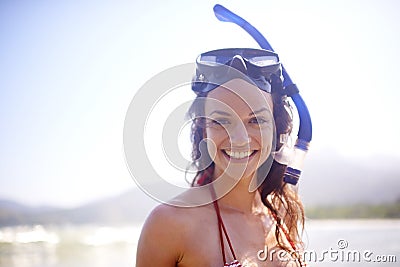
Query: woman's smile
[(239, 155)]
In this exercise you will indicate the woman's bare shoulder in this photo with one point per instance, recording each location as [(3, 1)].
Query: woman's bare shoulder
[(161, 241), (176, 217), (166, 215), (166, 234), (175, 224)]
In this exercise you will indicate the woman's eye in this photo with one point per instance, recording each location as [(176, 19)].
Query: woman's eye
[(258, 121), (219, 121)]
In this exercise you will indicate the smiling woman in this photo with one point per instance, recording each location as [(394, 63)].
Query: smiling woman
[(237, 116), (242, 134)]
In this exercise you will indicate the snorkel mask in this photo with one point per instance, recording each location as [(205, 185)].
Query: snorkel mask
[(257, 65), (217, 67)]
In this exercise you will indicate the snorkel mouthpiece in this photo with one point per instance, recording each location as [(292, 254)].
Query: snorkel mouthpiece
[(294, 159)]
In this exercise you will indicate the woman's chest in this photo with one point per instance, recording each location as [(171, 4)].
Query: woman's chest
[(243, 239)]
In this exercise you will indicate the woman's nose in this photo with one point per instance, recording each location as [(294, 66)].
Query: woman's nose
[(239, 136)]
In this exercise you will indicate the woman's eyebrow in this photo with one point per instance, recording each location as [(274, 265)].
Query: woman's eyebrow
[(258, 111), (220, 112), (224, 113)]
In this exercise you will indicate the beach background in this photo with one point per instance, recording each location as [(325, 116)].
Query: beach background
[(106, 232), (376, 243), (70, 69)]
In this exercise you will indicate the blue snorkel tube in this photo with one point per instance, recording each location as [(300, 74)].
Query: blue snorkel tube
[(294, 160)]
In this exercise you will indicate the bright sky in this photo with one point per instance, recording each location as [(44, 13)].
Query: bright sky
[(69, 69)]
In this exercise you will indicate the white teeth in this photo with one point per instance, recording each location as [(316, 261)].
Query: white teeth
[(238, 155)]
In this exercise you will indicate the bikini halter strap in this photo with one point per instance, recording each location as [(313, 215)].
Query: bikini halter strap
[(222, 230)]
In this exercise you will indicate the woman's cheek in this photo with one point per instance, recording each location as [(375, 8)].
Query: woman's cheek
[(212, 143), (266, 141)]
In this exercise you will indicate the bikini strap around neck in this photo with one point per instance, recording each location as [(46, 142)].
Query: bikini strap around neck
[(222, 231)]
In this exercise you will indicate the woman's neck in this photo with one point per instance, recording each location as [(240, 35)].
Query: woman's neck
[(239, 198)]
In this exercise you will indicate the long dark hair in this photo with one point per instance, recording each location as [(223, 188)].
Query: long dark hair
[(279, 197)]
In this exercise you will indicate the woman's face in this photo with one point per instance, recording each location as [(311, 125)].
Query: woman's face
[(240, 125)]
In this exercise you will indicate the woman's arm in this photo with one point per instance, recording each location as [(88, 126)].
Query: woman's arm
[(161, 240)]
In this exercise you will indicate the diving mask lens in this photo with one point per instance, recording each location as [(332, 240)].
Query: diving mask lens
[(256, 57), (211, 60), (263, 61)]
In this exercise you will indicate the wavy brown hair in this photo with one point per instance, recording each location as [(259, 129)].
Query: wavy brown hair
[(280, 198)]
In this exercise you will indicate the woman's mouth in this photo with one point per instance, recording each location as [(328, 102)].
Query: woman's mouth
[(239, 154)]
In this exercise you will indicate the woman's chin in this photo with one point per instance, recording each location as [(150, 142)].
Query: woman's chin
[(238, 171)]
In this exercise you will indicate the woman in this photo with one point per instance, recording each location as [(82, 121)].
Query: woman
[(253, 217)]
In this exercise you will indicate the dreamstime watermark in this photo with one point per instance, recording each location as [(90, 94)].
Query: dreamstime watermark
[(339, 254)]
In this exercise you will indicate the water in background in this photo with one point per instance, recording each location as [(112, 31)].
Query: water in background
[(68, 246), (101, 246), (374, 243)]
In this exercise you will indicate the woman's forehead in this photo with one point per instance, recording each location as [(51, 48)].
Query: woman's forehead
[(238, 96)]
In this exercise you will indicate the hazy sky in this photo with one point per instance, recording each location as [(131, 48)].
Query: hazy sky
[(69, 69)]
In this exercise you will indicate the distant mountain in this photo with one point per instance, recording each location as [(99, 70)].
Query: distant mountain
[(130, 207), (14, 206), (355, 211), (327, 183), (329, 179)]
